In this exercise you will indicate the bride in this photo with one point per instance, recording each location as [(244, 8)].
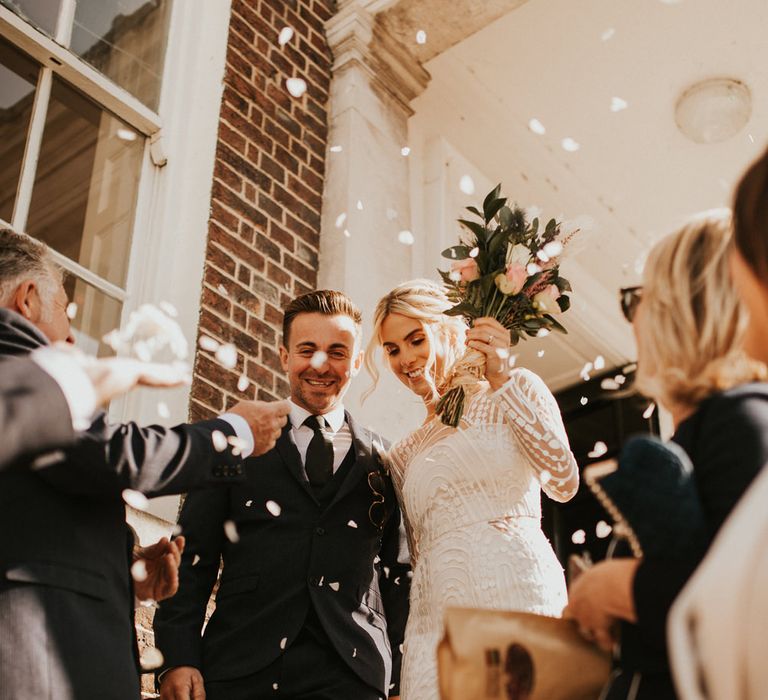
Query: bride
[(470, 495)]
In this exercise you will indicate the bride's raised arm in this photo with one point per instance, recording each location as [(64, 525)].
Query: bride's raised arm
[(530, 409)]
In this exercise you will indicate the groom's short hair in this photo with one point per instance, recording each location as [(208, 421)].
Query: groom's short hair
[(321, 301)]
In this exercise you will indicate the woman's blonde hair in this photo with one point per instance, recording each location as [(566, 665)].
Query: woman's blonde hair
[(426, 302), (693, 320)]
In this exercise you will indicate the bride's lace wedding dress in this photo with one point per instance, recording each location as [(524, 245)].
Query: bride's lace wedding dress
[(472, 505)]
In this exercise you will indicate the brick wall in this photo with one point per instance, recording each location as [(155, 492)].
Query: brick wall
[(263, 237), (264, 229)]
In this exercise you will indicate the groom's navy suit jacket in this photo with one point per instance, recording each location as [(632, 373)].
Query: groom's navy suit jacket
[(332, 558)]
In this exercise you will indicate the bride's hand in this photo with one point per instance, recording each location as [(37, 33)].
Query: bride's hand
[(491, 338)]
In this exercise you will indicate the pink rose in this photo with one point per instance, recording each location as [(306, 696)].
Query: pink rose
[(546, 300), (516, 276), (467, 269)]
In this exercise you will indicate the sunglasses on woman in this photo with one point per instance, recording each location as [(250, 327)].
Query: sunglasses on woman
[(629, 298)]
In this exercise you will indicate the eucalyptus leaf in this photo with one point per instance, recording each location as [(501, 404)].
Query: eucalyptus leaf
[(476, 211), (564, 302), (563, 284), (456, 252), (463, 309), (477, 229), (493, 208), (492, 196)]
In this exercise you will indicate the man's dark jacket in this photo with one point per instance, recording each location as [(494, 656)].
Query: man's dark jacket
[(287, 560), (66, 594)]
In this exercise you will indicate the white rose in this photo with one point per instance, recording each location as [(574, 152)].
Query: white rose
[(518, 254), (546, 300)]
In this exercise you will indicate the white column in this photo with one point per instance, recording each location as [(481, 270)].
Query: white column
[(374, 80)]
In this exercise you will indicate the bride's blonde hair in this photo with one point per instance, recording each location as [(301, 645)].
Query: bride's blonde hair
[(425, 301), (694, 321)]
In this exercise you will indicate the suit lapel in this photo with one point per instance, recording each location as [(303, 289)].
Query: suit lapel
[(289, 453)]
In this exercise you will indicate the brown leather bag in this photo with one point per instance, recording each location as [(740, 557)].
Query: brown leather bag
[(499, 655)]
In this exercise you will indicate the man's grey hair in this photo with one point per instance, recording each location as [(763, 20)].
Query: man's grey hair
[(24, 258)]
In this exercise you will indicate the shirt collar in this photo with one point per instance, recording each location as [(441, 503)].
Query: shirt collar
[(334, 418)]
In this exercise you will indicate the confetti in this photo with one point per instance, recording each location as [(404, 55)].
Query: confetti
[(274, 686), (648, 412), (598, 450), (583, 400), (617, 104), (474, 252), (196, 560), (71, 310), (318, 360), (537, 127), (135, 499), (219, 441), (150, 330), (283, 642), (585, 370), (169, 309), (579, 537), (502, 353), (139, 570), (336, 149), (222, 290), (391, 214), (151, 658), (421, 37), (352, 523), (542, 333), (286, 34), (296, 86), (603, 529), (249, 503), (334, 585), (354, 652), (467, 185), (599, 362), (553, 249), (126, 135), (237, 443), (609, 384), (230, 530), (619, 379), (162, 410), (208, 343), (242, 383), (340, 219), (454, 276), (226, 355), (405, 151), (540, 353), (532, 268), (347, 233), (359, 205), (570, 145), (274, 508), (406, 237), (608, 34)]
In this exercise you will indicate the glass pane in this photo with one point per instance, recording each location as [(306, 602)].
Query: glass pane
[(86, 184), (97, 314), (39, 13), (18, 77), (125, 40)]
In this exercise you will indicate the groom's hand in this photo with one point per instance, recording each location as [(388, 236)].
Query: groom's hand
[(182, 683), (265, 419)]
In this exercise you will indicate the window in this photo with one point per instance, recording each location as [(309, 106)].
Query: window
[(79, 83)]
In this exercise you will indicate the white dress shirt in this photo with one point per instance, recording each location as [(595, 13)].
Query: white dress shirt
[(336, 429)]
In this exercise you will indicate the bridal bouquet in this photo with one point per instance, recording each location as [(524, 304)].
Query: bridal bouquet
[(506, 268)]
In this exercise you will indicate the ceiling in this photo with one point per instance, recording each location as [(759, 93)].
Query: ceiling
[(635, 176)]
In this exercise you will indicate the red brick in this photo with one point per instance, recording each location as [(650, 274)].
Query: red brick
[(279, 276), (271, 359)]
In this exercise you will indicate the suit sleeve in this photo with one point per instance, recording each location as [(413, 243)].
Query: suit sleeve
[(395, 587), (34, 414), (155, 460), (730, 449), (179, 620)]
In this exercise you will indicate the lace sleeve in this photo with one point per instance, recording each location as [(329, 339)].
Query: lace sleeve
[(397, 458), (530, 409)]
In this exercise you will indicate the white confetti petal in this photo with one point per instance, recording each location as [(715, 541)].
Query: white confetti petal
[(340, 219), (286, 34), (619, 379), (352, 523), (354, 652), (221, 289), (347, 233), (421, 37), (71, 310), (162, 410), (406, 237), (474, 252), (151, 658), (553, 249), (169, 309), (336, 149), (296, 86), (618, 104), (208, 343), (648, 412), (139, 570), (149, 330), (242, 383), (608, 34), (230, 530), (467, 185), (603, 529), (608, 384), (274, 508), (405, 151), (249, 503), (532, 268), (540, 353), (502, 353), (196, 560), (570, 145), (599, 362), (237, 443), (598, 450), (359, 205), (219, 441), (579, 537), (537, 127), (275, 686), (318, 360), (583, 400), (542, 332), (226, 355), (135, 499), (334, 585), (283, 642)]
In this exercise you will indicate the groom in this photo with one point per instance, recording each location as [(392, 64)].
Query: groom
[(313, 595)]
